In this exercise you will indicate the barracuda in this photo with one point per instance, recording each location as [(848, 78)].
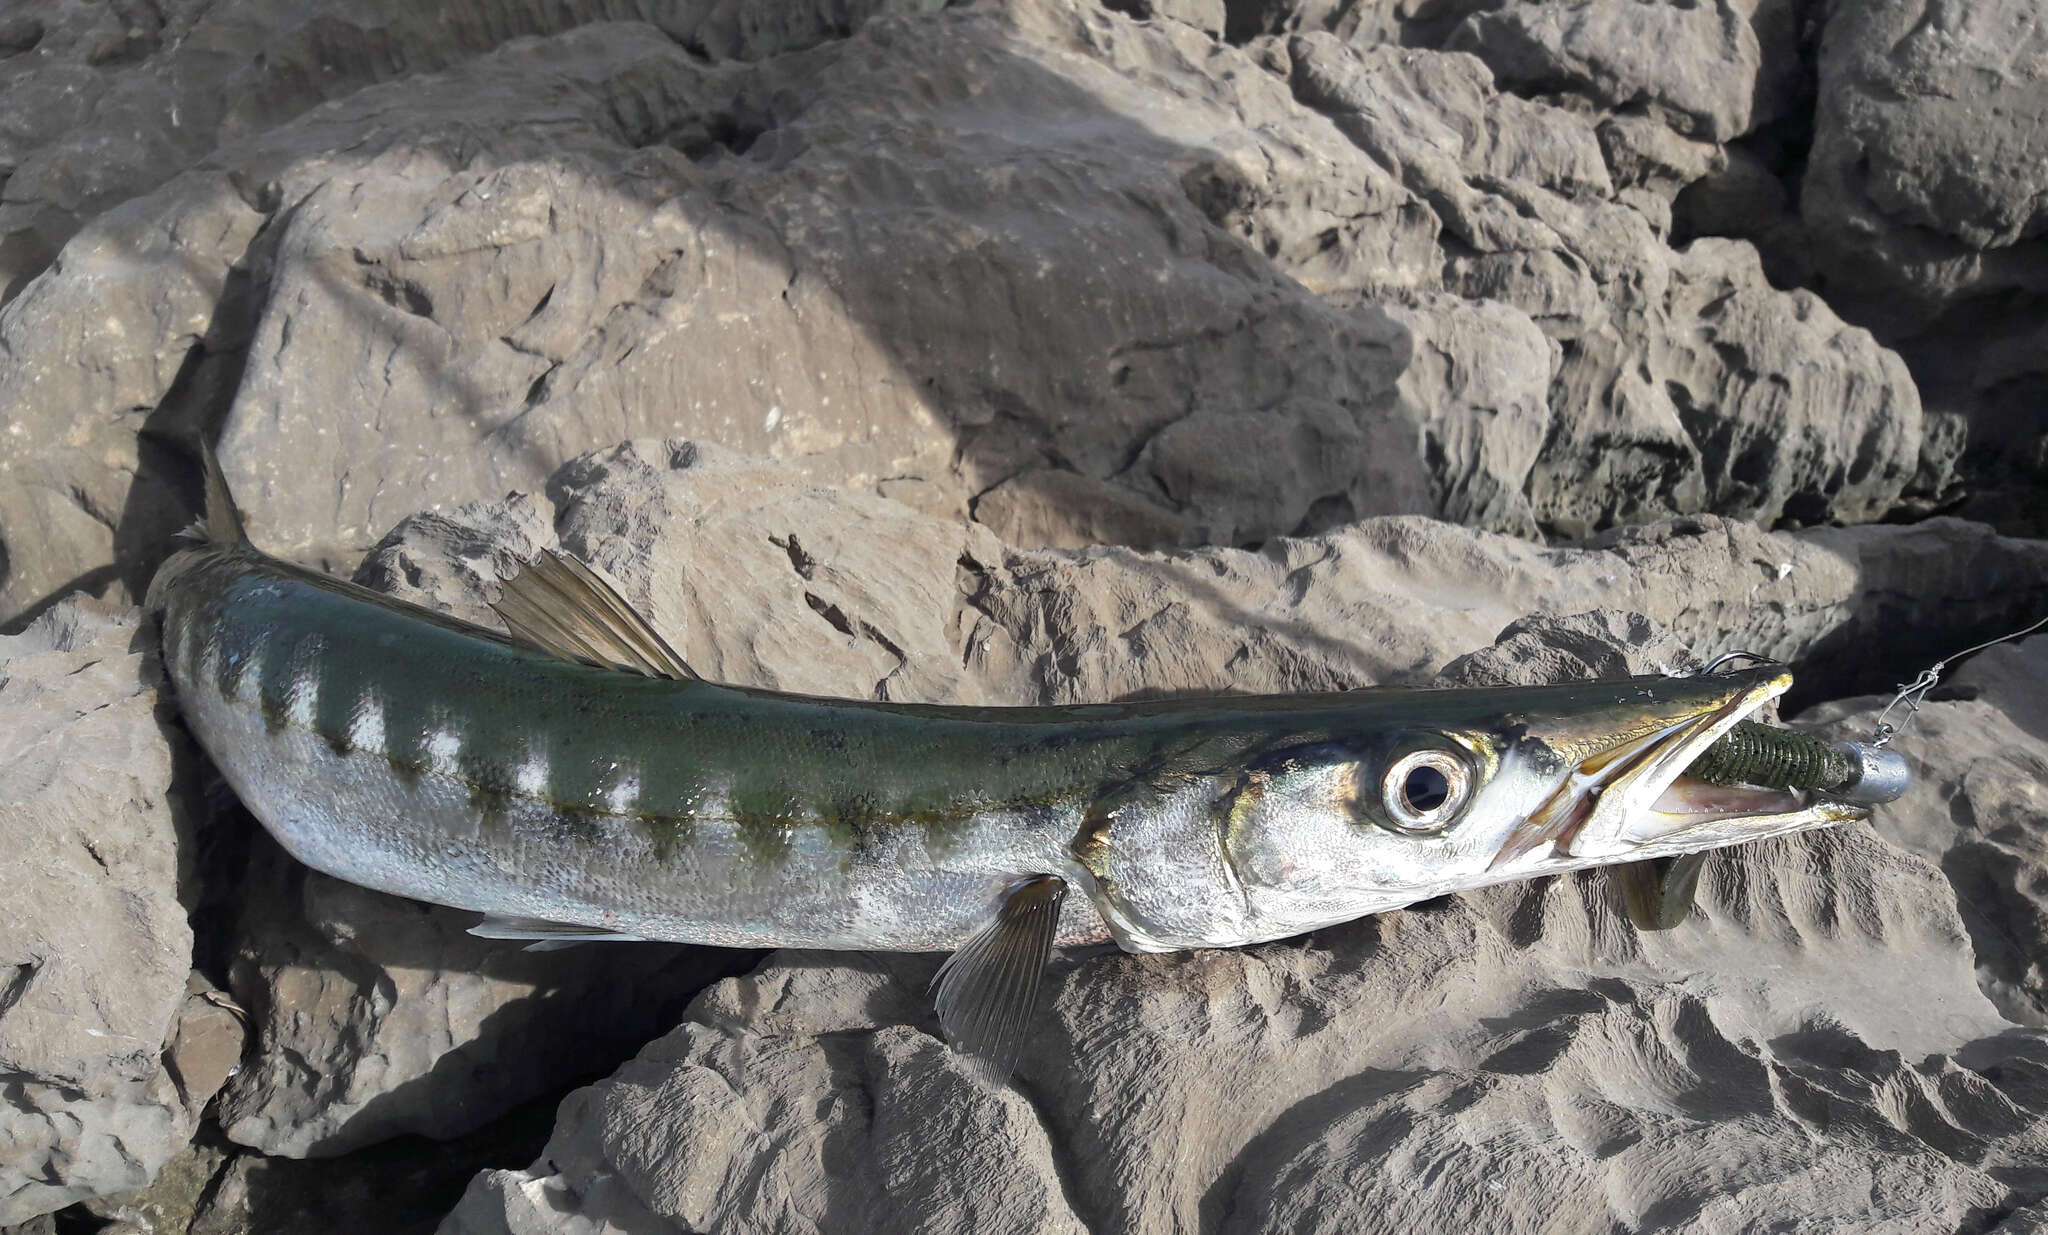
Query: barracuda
[(575, 781)]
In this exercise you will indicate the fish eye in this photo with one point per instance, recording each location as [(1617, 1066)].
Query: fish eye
[(1424, 790)]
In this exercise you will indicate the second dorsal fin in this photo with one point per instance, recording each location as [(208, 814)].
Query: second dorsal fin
[(559, 605)]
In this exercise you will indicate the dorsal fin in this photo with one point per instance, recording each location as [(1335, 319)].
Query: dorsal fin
[(559, 605), (220, 523)]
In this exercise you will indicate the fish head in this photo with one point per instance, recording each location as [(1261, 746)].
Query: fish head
[(1422, 793)]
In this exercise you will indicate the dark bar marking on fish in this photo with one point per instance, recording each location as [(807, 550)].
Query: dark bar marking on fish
[(492, 803), (583, 825), (767, 839), (334, 713), (987, 991), (230, 667), (668, 836), (278, 676)]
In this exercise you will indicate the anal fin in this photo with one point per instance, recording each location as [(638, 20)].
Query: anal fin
[(987, 991), (1659, 891), (559, 605), (547, 936)]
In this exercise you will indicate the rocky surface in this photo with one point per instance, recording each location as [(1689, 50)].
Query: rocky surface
[(1087, 276), (1925, 185), (762, 579), (375, 1016), (105, 1063), (1923, 198), (1040, 351), (1978, 808)]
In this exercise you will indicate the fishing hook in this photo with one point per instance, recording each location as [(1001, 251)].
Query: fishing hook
[(1730, 657)]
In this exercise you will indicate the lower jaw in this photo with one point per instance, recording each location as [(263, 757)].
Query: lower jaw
[(1688, 803)]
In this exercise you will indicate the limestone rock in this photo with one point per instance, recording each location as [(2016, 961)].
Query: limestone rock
[(94, 946), (1926, 184), (376, 1016), (1572, 647), (1923, 199), (1797, 415), (1451, 1059), (546, 241), (1181, 298), (109, 101), (1675, 386), (1700, 69), (1978, 808)]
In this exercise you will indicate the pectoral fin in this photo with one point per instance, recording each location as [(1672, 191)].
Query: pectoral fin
[(1659, 891), (987, 991), (547, 936)]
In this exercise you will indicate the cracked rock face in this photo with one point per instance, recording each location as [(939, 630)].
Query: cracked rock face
[(94, 949), (1087, 277), (1926, 203)]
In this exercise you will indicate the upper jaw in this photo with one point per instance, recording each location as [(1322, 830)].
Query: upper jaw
[(1629, 800)]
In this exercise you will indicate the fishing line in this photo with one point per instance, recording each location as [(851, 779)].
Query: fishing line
[(1914, 693)]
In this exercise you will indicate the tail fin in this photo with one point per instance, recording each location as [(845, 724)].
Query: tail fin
[(222, 523)]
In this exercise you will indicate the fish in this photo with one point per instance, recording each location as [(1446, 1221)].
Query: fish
[(573, 780)]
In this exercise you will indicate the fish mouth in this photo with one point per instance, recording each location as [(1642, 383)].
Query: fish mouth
[(1631, 799)]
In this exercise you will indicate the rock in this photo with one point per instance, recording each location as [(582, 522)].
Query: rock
[(1571, 648), (1922, 198), (205, 1046), (1208, 16), (762, 579), (94, 947), (1925, 186), (1066, 510), (376, 1016), (1525, 1036), (626, 214), (1978, 807), (1797, 416), (1700, 70), (116, 100), (1676, 379), (1183, 299)]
